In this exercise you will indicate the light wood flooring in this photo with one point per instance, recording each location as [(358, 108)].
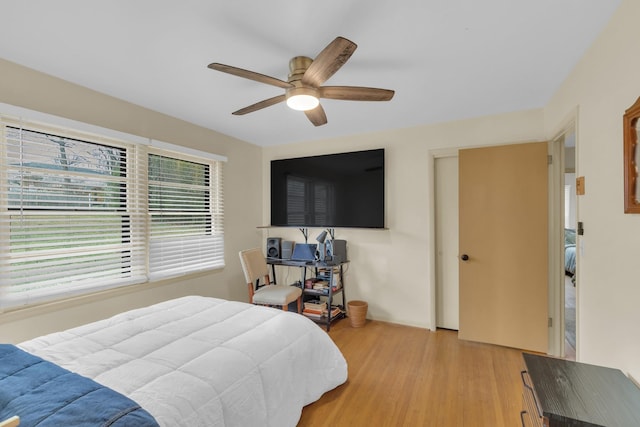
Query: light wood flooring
[(405, 376)]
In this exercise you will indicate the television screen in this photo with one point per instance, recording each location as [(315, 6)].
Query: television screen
[(334, 190)]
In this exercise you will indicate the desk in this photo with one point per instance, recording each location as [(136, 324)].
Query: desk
[(333, 272), (558, 393)]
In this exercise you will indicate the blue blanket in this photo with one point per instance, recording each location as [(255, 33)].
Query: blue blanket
[(43, 394)]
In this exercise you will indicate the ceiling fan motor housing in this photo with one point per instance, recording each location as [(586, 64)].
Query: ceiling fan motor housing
[(297, 66)]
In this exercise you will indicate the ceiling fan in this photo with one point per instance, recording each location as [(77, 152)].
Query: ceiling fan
[(303, 88)]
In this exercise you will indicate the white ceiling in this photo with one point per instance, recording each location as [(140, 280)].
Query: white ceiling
[(446, 59)]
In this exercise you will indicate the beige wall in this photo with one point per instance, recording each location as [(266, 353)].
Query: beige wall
[(601, 87), (390, 268), (29, 89)]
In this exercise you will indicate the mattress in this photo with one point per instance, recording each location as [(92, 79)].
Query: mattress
[(197, 361)]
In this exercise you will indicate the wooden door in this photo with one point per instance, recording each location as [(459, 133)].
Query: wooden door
[(503, 227)]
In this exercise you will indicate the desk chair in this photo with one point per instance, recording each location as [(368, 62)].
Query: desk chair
[(255, 268)]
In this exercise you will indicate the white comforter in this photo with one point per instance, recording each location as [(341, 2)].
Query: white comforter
[(198, 361)]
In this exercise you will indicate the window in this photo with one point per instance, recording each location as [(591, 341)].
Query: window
[(183, 216), (80, 213), (309, 201), (296, 209)]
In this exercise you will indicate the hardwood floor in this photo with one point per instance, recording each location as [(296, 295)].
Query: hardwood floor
[(404, 376)]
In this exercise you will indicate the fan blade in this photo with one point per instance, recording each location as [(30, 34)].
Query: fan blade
[(355, 93), (260, 105), (317, 116), (328, 61), (251, 75)]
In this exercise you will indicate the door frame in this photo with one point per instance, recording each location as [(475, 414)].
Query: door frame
[(556, 224), (556, 231), (556, 247), (431, 171), (440, 154)]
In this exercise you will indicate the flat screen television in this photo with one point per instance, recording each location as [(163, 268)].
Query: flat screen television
[(333, 190)]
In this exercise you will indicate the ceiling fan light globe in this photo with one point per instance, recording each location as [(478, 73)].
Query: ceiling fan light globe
[(302, 98), (302, 102)]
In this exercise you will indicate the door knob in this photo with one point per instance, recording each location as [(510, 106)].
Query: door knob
[(464, 257)]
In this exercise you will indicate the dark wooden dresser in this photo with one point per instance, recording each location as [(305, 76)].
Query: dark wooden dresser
[(559, 393)]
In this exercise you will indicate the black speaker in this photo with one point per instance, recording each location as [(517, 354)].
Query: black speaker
[(339, 250), (286, 249), (273, 247)]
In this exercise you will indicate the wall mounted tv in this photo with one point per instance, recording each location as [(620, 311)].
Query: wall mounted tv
[(334, 190)]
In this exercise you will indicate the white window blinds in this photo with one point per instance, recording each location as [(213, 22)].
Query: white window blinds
[(80, 213), (185, 210)]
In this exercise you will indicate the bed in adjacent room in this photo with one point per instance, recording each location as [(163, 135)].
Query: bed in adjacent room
[(197, 361), (570, 253)]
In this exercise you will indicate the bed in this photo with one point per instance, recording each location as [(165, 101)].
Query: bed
[(570, 253), (197, 361)]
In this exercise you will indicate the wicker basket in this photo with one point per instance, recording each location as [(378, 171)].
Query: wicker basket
[(357, 313)]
